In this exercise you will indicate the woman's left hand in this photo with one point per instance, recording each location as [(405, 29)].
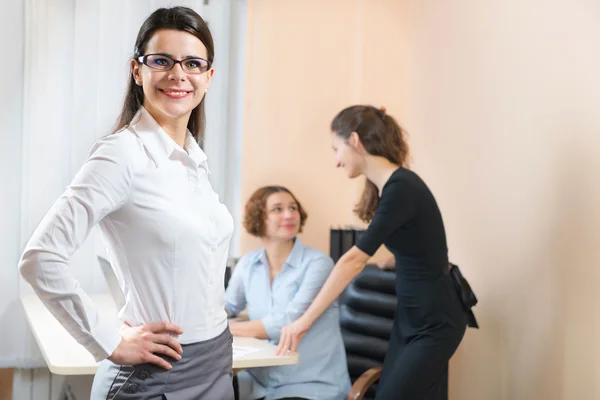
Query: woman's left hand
[(291, 335)]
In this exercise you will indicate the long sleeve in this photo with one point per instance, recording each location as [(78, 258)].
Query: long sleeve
[(235, 295), (101, 186), (316, 274)]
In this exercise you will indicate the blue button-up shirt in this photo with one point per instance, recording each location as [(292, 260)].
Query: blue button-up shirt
[(322, 371)]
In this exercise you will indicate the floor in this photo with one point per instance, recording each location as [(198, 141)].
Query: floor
[(6, 377)]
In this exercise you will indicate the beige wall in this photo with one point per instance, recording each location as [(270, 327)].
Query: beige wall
[(502, 103), (503, 100), (306, 61)]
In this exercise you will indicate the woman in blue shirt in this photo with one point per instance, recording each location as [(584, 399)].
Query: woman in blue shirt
[(277, 283)]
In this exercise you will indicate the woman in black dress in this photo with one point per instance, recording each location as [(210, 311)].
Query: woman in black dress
[(430, 321)]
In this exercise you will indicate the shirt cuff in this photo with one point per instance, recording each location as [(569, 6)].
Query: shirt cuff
[(105, 340), (272, 328), (229, 311)]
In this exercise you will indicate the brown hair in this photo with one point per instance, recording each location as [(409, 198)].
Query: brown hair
[(177, 18), (256, 210), (380, 135)]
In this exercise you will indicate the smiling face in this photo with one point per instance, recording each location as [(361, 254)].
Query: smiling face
[(170, 96), (282, 217), (348, 154)]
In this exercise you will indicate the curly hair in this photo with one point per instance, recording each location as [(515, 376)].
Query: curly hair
[(256, 210)]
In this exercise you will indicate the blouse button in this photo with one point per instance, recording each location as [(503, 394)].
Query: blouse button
[(213, 249), (132, 388)]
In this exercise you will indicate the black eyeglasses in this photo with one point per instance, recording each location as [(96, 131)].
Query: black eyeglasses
[(162, 62)]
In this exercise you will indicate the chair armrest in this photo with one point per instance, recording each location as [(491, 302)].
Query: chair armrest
[(363, 383)]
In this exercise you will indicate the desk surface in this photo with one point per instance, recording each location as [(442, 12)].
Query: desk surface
[(65, 356)]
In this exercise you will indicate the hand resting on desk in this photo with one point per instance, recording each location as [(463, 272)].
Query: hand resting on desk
[(140, 343)]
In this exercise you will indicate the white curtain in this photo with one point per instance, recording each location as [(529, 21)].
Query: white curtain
[(11, 319), (76, 65)]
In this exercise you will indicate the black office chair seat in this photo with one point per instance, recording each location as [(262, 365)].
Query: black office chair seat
[(367, 308)]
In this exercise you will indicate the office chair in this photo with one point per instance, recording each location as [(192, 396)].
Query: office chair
[(367, 308)]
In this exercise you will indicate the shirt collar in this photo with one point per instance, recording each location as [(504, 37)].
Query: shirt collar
[(159, 144), (294, 259)]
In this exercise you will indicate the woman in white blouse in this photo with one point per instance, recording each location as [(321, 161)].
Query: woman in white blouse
[(146, 186)]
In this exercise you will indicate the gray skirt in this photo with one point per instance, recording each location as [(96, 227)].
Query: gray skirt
[(203, 373)]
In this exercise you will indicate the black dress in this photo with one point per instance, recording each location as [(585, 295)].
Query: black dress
[(430, 321)]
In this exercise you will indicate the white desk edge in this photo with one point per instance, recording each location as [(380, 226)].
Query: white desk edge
[(71, 358)]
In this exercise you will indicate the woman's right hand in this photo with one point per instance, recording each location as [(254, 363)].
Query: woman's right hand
[(141, 344)]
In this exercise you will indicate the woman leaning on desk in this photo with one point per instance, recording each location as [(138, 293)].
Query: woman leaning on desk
[(430, 321), (277, 283), (146, 186)]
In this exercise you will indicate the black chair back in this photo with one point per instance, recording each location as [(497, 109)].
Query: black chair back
[(367, 308)]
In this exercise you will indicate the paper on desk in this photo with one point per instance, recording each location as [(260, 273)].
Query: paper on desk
[(243, 350)]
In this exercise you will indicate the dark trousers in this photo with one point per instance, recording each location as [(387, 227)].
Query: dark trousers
[(236, 393), (203, 373)]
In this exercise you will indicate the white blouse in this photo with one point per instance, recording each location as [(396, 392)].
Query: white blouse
[(166, 232)]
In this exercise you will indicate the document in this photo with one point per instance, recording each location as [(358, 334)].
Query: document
[(241, 351)]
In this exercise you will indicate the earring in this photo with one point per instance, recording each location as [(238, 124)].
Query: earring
[(206, 90)]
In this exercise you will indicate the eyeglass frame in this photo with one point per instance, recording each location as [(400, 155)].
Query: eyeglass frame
[(143, 58)]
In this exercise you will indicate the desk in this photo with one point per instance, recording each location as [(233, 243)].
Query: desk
[(64, 356)]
